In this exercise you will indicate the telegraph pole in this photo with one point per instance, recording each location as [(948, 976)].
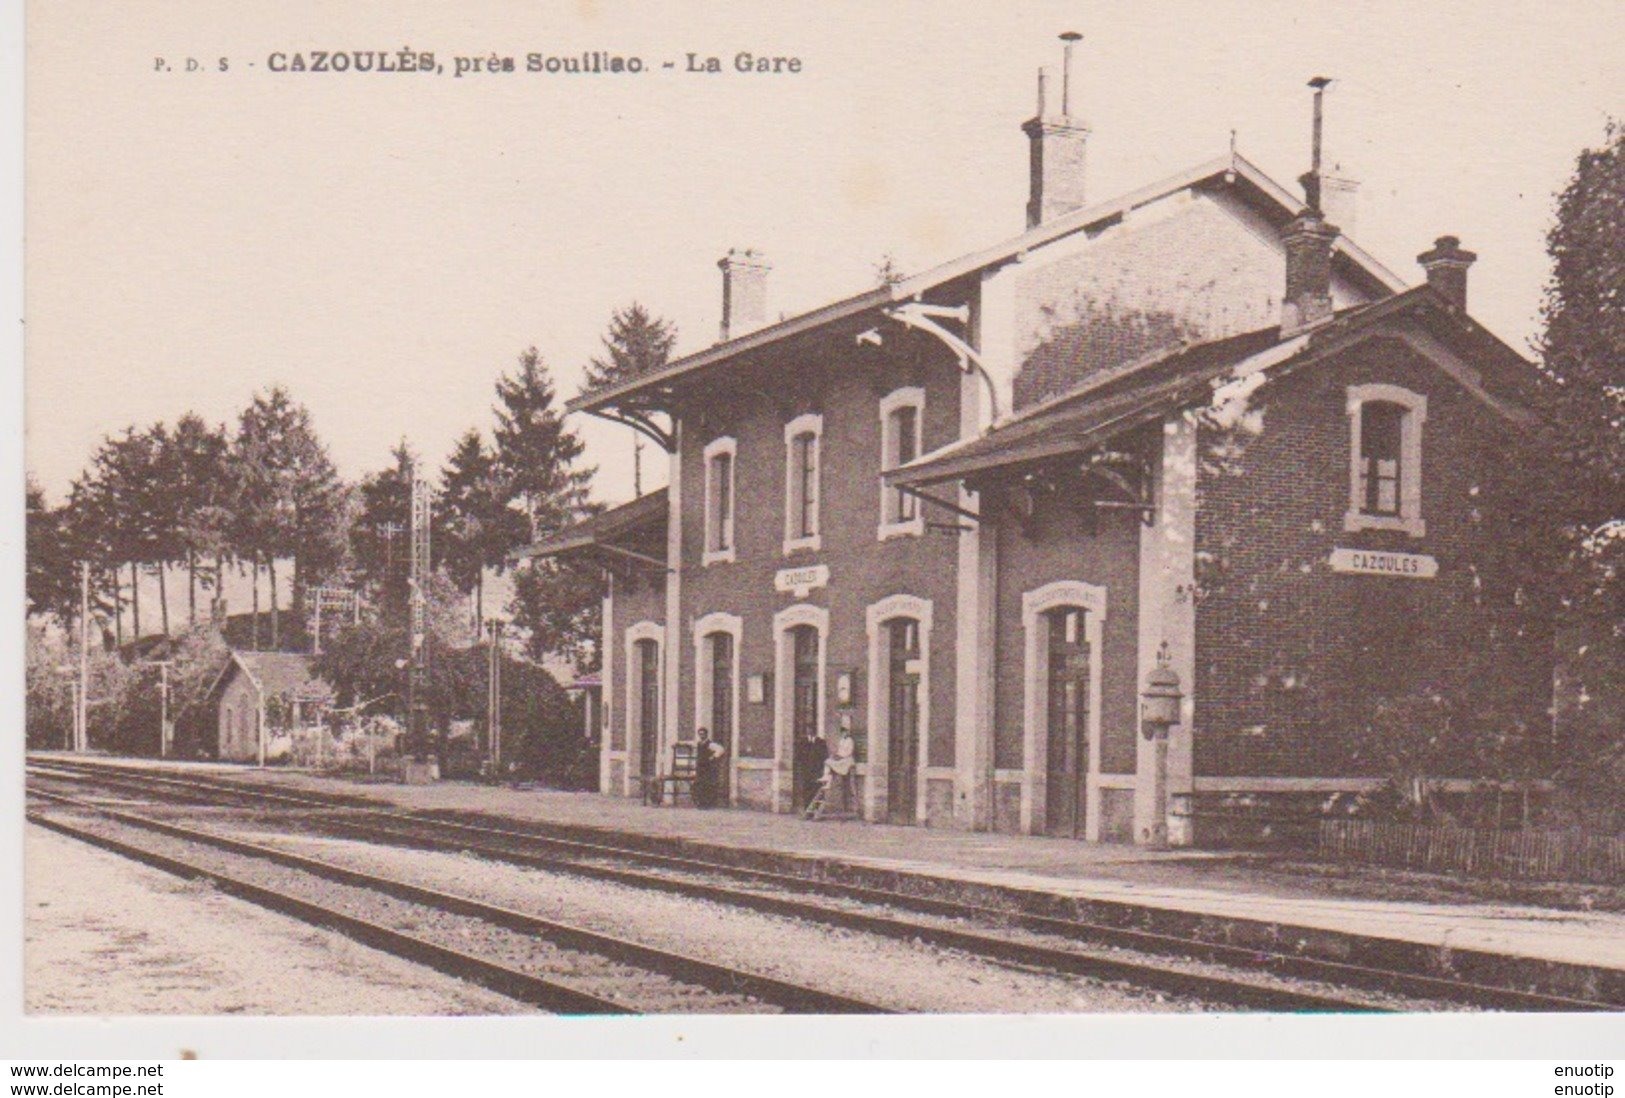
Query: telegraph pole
[(164, 733), (493, 716), (81, 734)]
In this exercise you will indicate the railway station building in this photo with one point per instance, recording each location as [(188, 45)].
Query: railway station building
[(965, 516)]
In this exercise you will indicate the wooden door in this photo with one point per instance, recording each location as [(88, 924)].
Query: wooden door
[(903, 719), (807, 760), (648, 653), (1068, 722), (722, 709)]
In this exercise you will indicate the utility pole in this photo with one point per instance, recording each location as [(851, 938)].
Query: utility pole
[(81, 734), (165, 734), (418, 584), (493, 714), (389, 530)]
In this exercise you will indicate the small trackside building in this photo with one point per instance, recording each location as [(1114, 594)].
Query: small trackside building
[(965, 515)]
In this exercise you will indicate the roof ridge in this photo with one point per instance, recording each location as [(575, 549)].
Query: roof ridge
[(1232, 163)]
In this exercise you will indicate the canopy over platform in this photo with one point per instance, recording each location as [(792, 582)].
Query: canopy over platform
[(632, 535), (1117, 401)]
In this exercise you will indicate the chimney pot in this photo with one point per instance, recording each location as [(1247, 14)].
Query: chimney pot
[(1446, 265), (744, 291)]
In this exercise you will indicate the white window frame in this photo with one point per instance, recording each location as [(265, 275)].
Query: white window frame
[(1409, 520), (728, 552), (704, 629), (794, 541), (911, 396), (783, 693), (633, 710), (1035, 604), (877, 766)]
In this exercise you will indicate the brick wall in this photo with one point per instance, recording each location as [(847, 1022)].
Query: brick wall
[(1291, 654), (637, 598), (1191, 270), (1058, 548), (845, 385)]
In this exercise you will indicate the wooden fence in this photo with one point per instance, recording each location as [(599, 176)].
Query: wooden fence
[(1526, 855)]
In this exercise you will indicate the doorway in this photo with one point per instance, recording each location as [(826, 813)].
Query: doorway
[(722, 709), (1067, 711), (903, 719), (810, 749), (648, 694)]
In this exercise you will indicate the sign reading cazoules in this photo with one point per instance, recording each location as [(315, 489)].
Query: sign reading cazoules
[(801, 580), (1368, 562)]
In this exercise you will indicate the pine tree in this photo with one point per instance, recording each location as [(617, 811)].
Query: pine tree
[(201, 484), (535, 457), (635, 343), (535, 452), (291, 501), (52, 572), (477, 527), (381, 534)]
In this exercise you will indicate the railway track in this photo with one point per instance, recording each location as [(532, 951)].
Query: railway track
[(1229, 974), (553, 965)]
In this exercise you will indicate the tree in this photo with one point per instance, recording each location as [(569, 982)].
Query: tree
[(535, 452), (201, 483), (380, 536), (289, 495), (476, 527), (536, 456), (559, 606), (114, 513), (635, 343), (1583, 365), (541, 727), (1582, 403), (52, 583), (887, 272)]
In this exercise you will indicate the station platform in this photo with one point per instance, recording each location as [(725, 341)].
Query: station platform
[(1253, 897)]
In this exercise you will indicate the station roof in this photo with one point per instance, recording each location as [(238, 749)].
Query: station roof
[(1118, 400), (1232, 170), (275, 674), (632, 532)]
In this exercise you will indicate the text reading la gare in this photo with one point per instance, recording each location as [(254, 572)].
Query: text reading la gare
[(590, 62)]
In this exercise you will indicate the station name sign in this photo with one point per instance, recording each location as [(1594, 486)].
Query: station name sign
[(800, 581), (1367, 562)]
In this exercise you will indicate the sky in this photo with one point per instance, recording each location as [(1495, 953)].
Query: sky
[(386, 245)]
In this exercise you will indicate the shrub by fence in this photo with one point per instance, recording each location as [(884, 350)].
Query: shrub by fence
[(1531, 854)]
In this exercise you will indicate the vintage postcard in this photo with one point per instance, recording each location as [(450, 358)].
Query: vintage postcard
[(698, 510)]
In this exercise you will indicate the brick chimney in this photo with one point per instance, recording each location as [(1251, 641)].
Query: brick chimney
[(1307, 240), (1446, 265), (744, 291), (1057, 144)]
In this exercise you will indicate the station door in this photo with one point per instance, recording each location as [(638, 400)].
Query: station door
[(1068, 723), (903, 720)]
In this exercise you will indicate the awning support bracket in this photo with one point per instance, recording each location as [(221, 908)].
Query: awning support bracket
[(937, 501), (926, 317), (641, 424)]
